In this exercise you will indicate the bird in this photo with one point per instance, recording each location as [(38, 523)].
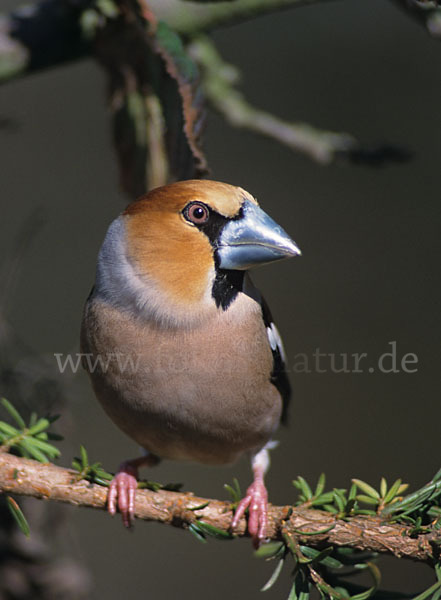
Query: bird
[(181, 348)]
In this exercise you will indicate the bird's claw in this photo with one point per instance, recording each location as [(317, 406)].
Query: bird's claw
[(122, 494), (256, 500)]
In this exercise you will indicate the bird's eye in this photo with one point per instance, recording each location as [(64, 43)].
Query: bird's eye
[(196, 213)]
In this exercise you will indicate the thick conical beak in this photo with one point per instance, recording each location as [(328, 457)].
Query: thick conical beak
[(253, 239)]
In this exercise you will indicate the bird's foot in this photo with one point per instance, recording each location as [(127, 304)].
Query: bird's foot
[(256, 500), (122, 493), (123, 486)]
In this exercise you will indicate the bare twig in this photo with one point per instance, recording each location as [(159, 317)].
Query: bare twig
[(219, 85), (49, 482)]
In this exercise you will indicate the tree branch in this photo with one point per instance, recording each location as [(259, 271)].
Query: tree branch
[(188, 17), (49, 482), (219, 84), (219, 79), (50, 32)]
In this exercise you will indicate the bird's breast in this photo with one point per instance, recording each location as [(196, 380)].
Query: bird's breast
[(201, 394)]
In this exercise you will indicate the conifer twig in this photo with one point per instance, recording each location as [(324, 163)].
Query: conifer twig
[(49, 482)]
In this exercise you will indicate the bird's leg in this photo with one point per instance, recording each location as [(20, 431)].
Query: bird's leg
[(256, 500), (123, 487)]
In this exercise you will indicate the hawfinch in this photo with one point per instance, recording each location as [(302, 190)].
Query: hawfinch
[(183, 354)]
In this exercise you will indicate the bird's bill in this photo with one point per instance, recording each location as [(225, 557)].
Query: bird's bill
[(253, 239)]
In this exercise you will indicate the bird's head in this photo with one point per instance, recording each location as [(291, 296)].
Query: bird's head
[(186, 246)]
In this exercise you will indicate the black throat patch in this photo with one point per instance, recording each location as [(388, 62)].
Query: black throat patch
[(226, 286)]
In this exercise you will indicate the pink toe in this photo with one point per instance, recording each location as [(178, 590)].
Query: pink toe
[(111, 498), (122, 494), (240, 511), (256, 501)]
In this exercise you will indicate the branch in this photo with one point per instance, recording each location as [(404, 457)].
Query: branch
[(49, 482), (219, 81), (58, 30), (51, 32), (188, 17)]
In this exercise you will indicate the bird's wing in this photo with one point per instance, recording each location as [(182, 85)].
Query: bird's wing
[(278, 375)]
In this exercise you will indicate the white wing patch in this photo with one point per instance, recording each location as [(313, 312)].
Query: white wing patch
[(275, 340)]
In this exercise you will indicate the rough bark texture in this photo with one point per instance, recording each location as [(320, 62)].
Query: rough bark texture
[(49, 482)]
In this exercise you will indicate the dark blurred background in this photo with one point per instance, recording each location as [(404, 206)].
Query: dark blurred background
[(369, 273)]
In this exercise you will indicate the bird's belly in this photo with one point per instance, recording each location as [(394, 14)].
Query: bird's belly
[(200, 403), (183, 411)]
